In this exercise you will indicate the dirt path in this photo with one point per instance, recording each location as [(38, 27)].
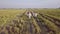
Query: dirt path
[(42, 26)]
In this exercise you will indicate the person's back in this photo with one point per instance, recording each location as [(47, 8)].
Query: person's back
[(35, 14), (30, 15)]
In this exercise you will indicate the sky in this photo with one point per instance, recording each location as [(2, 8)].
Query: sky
[(29, 3)]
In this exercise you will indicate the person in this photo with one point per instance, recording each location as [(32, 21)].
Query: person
[(35, 14), (29, 15)]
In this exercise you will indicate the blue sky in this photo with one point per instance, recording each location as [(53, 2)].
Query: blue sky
[(29, 3)]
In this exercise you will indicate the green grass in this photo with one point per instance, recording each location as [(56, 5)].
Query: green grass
[(53, 12), (6, 15), (23, 23), (50, 25)]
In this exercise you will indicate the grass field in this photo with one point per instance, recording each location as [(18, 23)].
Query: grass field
[(16, 22), (8, 14)]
